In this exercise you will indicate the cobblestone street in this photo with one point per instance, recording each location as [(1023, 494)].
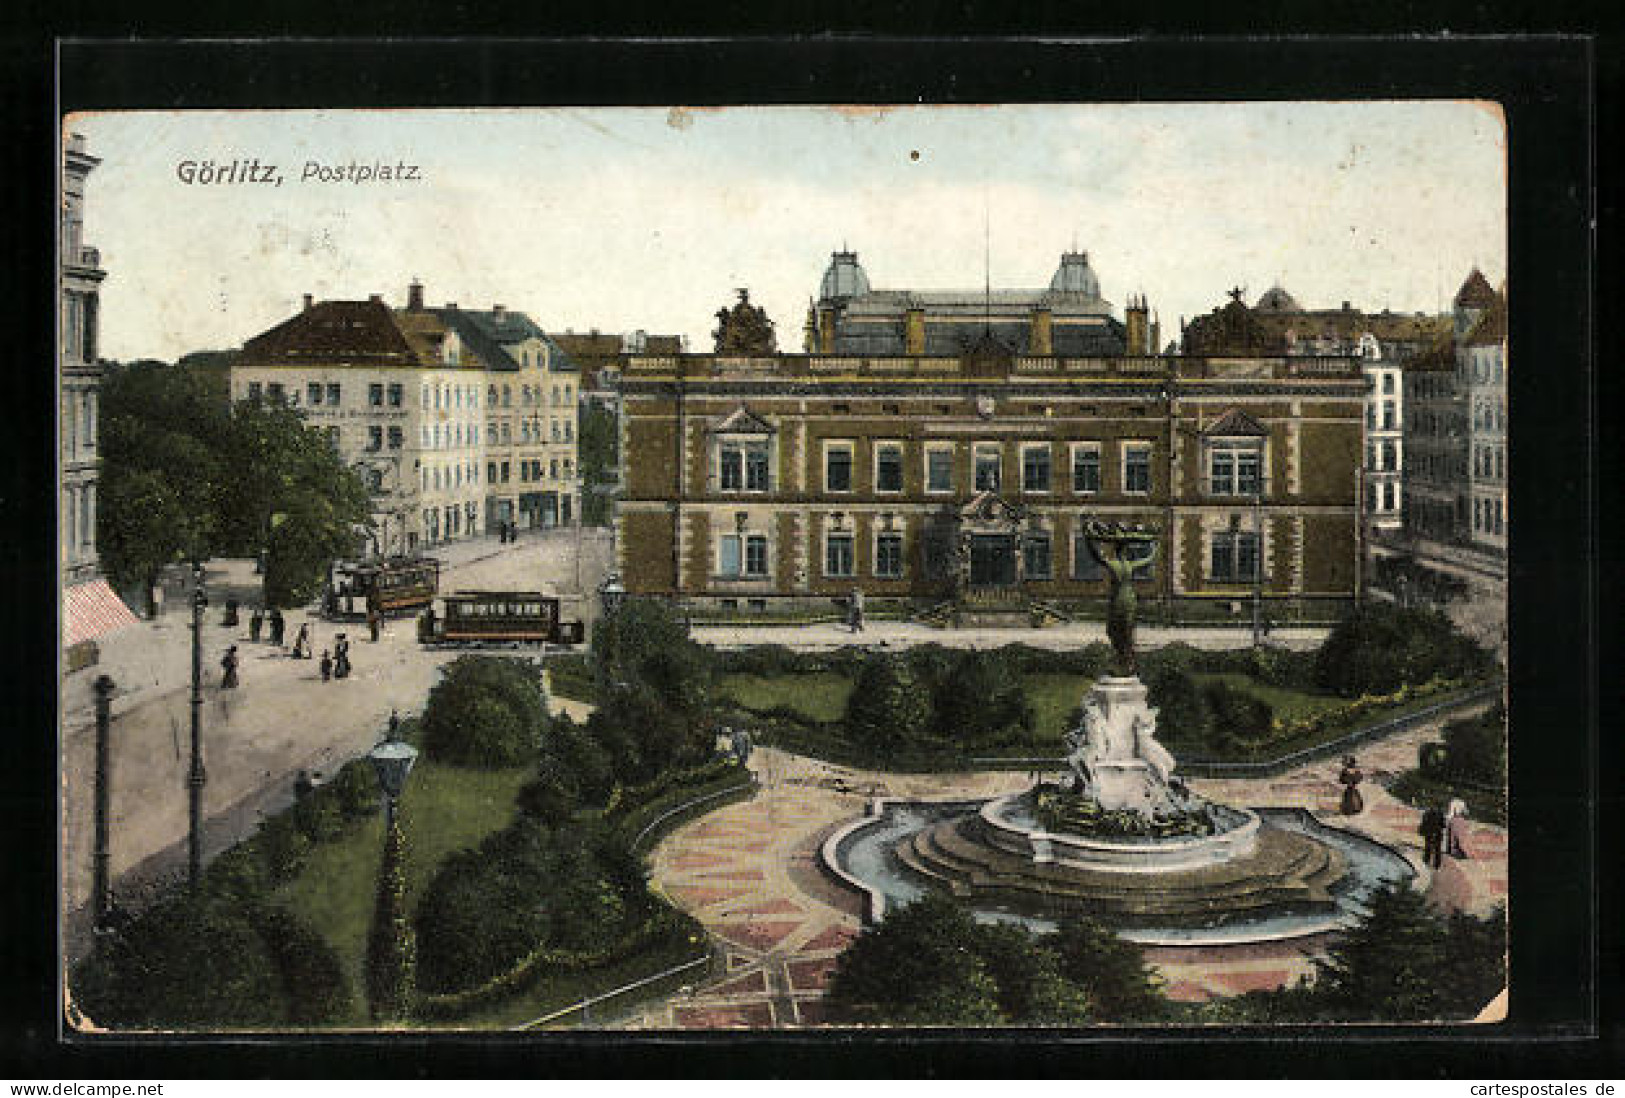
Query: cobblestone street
[(281, 719)]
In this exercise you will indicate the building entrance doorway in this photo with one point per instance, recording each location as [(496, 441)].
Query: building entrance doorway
[(992, 560)]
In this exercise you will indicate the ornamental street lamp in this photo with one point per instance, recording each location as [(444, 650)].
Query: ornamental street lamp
[(196, 777), (392, 761)]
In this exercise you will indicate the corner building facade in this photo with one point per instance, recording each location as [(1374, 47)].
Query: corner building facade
[(770, 482)]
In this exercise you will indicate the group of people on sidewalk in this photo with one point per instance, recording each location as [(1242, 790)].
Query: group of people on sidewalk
[(334, 663), (1443, 830)]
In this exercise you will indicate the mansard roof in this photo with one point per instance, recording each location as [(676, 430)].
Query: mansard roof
[(359, 333)]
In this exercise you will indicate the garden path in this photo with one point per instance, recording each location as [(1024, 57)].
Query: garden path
[(749, 873)]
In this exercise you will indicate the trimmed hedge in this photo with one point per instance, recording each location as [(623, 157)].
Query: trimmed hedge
[(487, 711)]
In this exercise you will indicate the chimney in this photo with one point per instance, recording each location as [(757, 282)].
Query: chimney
[(914, 332), (309, 301), (1138, 336), (1042, 339), (451, 306), (414, 296), (376, 299)]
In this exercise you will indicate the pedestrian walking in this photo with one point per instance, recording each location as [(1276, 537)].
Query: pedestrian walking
[(1350, 778), (279, 627), (301, 643), (228, 668), (1432, 832), (1455, 829), (326, 666), (855, 609), (256, 621), (341, 657)]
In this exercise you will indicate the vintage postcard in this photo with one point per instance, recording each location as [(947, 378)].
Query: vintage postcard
[(784, 567)]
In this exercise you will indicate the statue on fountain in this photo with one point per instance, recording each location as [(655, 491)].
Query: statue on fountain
[(1113, 755)]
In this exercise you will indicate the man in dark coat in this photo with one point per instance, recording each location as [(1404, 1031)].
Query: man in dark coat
[(279, 627), (228, 669), (1432, 832)]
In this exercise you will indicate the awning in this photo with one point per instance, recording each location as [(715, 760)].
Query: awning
[(91, 610)]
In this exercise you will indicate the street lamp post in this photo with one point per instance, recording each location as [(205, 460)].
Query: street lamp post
[(101, 891), (196, 777), (389, 945)]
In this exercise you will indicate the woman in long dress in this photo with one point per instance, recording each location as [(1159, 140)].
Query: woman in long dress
[(1350, 778), (1455, 829)]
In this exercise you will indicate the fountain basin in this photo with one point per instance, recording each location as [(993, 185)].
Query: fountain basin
[(878, 856), (1008, 825)]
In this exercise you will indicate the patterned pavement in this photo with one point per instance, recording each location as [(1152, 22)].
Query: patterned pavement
[(749, 872)]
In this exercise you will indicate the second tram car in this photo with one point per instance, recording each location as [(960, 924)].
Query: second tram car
[(503, 617), (400, 585)]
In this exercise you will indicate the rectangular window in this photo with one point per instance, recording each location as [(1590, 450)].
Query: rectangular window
[(1086, 469), (838, 468), (1137, 469), (733, 468), (1035, 469), (1234, 557), (490, 472), (838, 555), (274, 392), (756, 477), (939, 469), (375, 438), (504, 472), (1235, 470), (988, 465), (1035, 552), (396, 438), (313, 393), (889, 556), (1387, 415), (375, 394), (333, 393), (254, 390), (394, 396), (728, 555), (1387, 383), (1084, 564), (888, 467), (756, 555)]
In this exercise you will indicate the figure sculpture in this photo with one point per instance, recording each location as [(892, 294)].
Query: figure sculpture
[(1109, 544)]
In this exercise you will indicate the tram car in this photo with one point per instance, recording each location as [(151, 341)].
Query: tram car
[(397, 586), (501, 618)]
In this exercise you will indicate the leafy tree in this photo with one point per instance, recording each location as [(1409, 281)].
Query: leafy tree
[(1027, 973), (919, 967), (313, 980), (599, 447), (1379, 647), (1111, 971), (486, 711), (887, 709), (1404, 962), (1239, 716), (654, 689)]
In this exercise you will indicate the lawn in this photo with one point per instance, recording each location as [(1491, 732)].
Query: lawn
[(818, 696), (444, 809), (1288, 704)]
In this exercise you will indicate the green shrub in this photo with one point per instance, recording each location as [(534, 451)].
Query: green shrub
[(1111, 971), (313, 980), (1475, 748), (1379, 647), (1183, 715), (981, 702), (487, 711), (391, 953), (283, 846), (887, 708), (209, 961), (239, 873), (1238, 715), (355, 788), (318, 815)]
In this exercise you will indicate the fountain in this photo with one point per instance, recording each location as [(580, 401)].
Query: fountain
[(1120, 837)]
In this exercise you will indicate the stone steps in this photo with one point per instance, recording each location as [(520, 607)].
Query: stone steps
[(1286, 868)]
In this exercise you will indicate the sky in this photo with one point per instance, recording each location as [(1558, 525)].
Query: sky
[(623, 219)]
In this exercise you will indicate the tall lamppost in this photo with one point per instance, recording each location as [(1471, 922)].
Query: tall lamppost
[(196, 777), (101, 890), (389, 945)]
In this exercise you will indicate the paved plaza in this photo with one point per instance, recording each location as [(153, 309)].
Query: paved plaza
[(749, 873), (1066, 637), (280, 720)]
